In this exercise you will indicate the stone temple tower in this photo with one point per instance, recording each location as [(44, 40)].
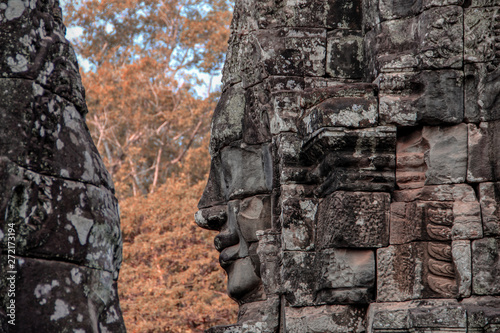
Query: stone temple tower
[(355, 166), (59, 223)]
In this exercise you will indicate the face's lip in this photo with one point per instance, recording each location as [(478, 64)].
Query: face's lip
[(229, 255)]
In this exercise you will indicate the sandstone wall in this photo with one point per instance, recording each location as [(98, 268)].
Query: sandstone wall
[(355, 174), (59, 222)]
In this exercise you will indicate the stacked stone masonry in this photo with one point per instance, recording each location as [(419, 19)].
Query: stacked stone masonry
[(59, 223), (355, 173)]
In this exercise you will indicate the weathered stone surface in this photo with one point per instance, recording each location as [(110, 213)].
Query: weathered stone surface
[(479, 34), (434, 220), (286, 110), (424, 98), (421, 220), (484, 152), (63, 219), (381, 120), (34, 48), (298, 52), (262, 316), (457, 192), (247, 170), (60, 233), (325, 319), (345, 54), (430, 40), (414, 271), (269, 252), (298, 223), (349, 105), (417, 316), (62, 297), (440, 152), (43, 125), (256, 128), (334, 276), (482, 87), (254, 214), (462, 259), (485, 266), (489, 197), (358, 219), (353, 160), (227, 122), (483, 313)]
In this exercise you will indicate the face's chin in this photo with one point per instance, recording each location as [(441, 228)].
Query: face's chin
[(243, 282)]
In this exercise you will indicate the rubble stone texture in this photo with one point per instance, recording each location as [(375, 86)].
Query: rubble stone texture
[(59, 222), (371, 128)]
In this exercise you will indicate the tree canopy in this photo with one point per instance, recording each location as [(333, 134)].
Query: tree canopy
[(145, 114), (151, 125)]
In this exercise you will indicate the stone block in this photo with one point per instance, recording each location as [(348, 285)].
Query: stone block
[(462, 259), (215, 191), (353, 219), (440, 152), (57, 295), (344, 14), (483, 313), (336, 276), (305, 13), (371, 14), (288, 146), (345, 54), (482, 89), (485, 266), (347, 105), (417, 316), (411, 166), (432, 40), (421, 98), (479, 34), (435, 220), (227, 121), (247, 170), (256, 128), (57, 218), (447, 155), (390, 10), (285, 113), (35, 49), (484, 3), (484, 152), (467, 223), (44, 126), (254, 214), (344, 276), (421, 220), (269, 252), (325, 319), (414, 271), (489, 194), (455, 192), (261, 316), (211, 218), (352, 160), (296, 52), (298, 223)]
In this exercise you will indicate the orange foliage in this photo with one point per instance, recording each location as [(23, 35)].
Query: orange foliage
[(152, 130), (170, 279)]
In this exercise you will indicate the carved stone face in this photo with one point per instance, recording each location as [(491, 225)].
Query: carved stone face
[(237, 202)]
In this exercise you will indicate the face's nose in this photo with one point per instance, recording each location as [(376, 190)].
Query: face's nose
[(214, 193)]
